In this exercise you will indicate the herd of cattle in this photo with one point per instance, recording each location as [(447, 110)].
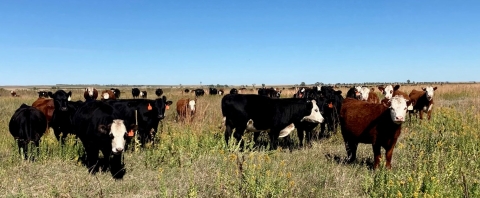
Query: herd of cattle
[(109, 124)]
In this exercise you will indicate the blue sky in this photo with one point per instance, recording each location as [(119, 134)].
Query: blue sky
[(237, 42)]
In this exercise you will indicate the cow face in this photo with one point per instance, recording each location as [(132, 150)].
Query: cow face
[(387, 91), (117, 131), (90, 91), (105, 95), (61, 99), (161, 105), (364, 91), (429, 91), (315, 115), (191, 106), (398, 108)]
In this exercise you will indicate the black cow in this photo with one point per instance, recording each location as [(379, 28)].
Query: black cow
[(99, 128), (62, 121), (269, 92), (158, 92), (135, 92), (44, 94), (199, 92), (212, 91), (332, 105), (148, 115), (27, 124), (258, 113), (143, 94), (307, 92), (116, 92), (233, 91), (187, 90)]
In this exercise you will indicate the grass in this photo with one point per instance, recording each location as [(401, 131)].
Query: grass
[(436, 158)]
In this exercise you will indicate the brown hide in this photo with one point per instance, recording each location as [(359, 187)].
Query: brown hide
[(368, 123), (372, 97), (46, 106), (183, 110)]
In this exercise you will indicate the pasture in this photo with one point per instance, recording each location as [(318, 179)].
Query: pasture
[(436, 158)]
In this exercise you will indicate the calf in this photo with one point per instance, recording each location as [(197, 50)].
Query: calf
[(199, 92), (135, 92), (186, 108), (27, 125), (90, 94), (108, 95), (221, 92), (99, 128), (116, 92), (14, 94), (387, 91), (212, 91), (422, 101), (61, 122), (376, 124), (259, 113), (158, 92), (43, 94), (46, 106), (143, 94), (233, 91)]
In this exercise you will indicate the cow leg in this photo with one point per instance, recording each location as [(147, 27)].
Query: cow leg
[(351, 148), (117, 167), (22, 149), (377, 155), (388, 154), (429, 114), (322, 131), (421, 114), (238, 134), (255, 139), (92, 159), (228, 132), (273, 139), (300, 134)]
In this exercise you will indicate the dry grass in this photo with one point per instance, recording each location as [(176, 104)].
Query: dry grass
[(439, 158)]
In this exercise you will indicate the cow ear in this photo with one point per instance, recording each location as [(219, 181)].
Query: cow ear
[(424, 89), (164, 98), (435, 88), (381, 88), (103, 129), (396, 87), (69, 93)]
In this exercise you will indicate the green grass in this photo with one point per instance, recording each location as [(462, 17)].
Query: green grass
[(436, 158)]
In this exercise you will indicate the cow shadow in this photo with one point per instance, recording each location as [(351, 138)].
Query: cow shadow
[(366, 162)]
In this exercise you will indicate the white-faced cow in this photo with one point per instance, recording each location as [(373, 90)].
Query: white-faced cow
[(116, 92), (376, 124), (90, 94), (186, 109), (143, 94), (422, 101)]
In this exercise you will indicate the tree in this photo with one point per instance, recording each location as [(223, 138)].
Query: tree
[(263, 85), (408, 81), (318, 84), (253, 85), (302, 84)]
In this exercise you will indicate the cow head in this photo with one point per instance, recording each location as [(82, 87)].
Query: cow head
[(314, 114), (90, 91), (364, 91), (117, 131), (161, 105), (429, 91), (61, 99), (105, 95), (387, 91), (191, 105), (398, 108)]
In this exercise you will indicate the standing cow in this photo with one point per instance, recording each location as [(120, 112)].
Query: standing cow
[(116, 92), (135, 92), (159, 92), (422, 101), (186, 109), (90, 94)]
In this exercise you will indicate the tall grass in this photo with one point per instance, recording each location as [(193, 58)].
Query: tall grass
[(436, 158)]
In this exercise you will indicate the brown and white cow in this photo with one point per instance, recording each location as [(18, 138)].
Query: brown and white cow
[(366, 94), (90, 93), (108, 95), (376, 124), (14, 94), (186, 108), (422, 101)]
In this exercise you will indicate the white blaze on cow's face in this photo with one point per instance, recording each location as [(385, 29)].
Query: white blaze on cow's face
[(315, 115), (106, 96), (90, 91), (141, 93), (388, 92), (429, 91), (364, 91), (117, 132), (398, 109), (191, 105)]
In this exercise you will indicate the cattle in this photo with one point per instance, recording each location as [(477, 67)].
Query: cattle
[(353, 92), (221, 92), (135, 92), (212, 91), (186, 90), (61, 122), (199, 92), (387, 91), (422, 101), (27, 125), (158, 92), (233, 91), (376, 124), (143, 115), (43, 94), (143, 94), (259, 113), (46, 106), (108, 95), (99, 127), (90, 94), (269, 92), (14, 94), (116, 92), (186, 108), (306, 92)]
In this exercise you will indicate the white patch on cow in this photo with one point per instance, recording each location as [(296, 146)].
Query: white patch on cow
[(398, 109), (141, 93), (287, 130), (106, 96), (429, 91), (69, 98), (117, 132), (364, 91), (302, 90), (90, 91), (315, 115), (410, 107), (250, 126), (191, 105), (388, 92)]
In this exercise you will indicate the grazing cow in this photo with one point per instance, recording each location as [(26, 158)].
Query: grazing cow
[(376, 124), (158, 92), (186, 108), (135, 92), (116, 92), (99, 128), (422, 101), (108, 95), (90, 94), (143, 94), (212, 91), (233, 91), (14, 94), (43, 94), (269, 92), (46, 106), (221, 92), (259, 113), (143, 115), (199, 92), (387, 91), (186, 90), (27, 125)]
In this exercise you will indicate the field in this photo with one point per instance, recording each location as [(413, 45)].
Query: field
[(436, 158)]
